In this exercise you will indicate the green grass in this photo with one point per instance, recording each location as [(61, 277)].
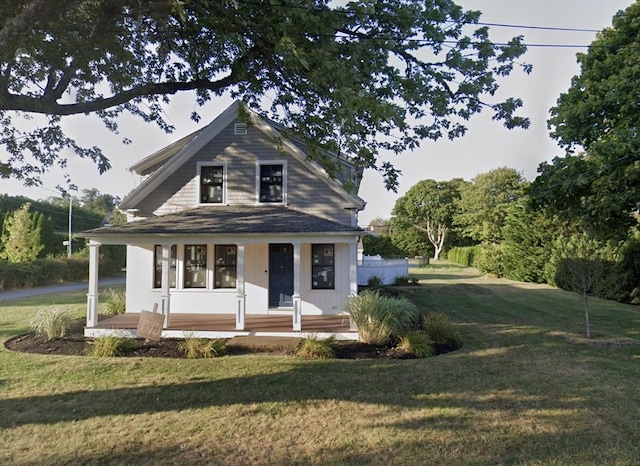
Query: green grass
[(527, 388)]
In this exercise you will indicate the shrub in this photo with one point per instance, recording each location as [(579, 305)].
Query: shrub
[(51, 323), (317, 348), (401, 280), (381, 245), (111, 346), (374, 282), (380, 318), (441, 330), (417, 343), (77, 269), (463, 255), (488, 259), (202, 348), (114, 301), (45, 271)]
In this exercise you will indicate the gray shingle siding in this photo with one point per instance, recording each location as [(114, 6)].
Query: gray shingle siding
[(305, 191)]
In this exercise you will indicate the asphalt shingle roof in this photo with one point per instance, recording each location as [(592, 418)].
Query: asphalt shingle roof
[(228, 220)]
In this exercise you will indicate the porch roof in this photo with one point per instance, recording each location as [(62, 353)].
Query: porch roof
[(227, 220)]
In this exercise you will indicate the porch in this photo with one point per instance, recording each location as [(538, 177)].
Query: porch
[(224, 326)]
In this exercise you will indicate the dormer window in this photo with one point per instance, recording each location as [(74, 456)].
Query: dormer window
[(211, 184), (272, 182)]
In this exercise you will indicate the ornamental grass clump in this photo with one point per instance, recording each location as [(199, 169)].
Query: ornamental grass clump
[(381, 319), (441, 330), (114, 301), (317, 348), (111, 346), (417, 343), (203, 348), (51, 323)]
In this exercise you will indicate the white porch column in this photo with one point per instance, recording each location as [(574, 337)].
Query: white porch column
[(297, 292), (92, 294), (240, 285), (353, 275), (165, 297)]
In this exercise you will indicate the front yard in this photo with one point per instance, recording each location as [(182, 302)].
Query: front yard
[(526, 388)]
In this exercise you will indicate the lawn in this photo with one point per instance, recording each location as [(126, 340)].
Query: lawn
[(527, 388)]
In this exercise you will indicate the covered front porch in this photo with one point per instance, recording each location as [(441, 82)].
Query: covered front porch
[(229, 271), (224, 326)]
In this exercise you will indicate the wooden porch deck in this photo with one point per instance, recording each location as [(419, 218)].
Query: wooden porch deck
[(224, 326)]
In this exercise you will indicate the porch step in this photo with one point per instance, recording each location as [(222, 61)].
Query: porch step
[(259, 343)]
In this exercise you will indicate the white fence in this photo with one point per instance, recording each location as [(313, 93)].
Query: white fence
[(385, 269)]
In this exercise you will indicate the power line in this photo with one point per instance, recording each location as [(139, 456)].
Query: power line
[(540, 28)]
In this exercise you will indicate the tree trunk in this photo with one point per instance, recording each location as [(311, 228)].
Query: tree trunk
[(586, 315)]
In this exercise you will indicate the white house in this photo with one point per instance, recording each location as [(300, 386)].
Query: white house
[(234, 220)]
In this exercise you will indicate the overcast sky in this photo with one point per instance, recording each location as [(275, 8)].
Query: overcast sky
[(486, 146)]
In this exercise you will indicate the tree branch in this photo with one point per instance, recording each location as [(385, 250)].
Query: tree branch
[(38, 105)]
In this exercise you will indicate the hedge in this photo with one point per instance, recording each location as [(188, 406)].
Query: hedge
[(42, 272), (463, 255)]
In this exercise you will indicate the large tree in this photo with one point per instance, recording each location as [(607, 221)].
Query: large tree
[(94, 200), (486, 202), (430, 207), (597, 122), (353, 78)]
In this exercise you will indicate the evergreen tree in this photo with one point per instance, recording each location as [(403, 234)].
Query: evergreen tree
[(47, 236), (20, 238)]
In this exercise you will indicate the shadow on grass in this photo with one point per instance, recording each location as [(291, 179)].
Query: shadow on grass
[(443, 276), (335, 380)]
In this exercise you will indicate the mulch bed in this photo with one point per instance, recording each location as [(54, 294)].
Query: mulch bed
[(75, 344)]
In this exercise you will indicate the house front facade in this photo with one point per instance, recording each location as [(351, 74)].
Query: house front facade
[(235, 220)]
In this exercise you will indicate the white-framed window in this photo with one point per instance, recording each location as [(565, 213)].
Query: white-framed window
[(157, 260), (323, 269), (271, 182), (226, 256), (195, 266), (212, 181)]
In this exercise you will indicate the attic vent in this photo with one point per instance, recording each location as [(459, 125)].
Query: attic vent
[(240, 129)]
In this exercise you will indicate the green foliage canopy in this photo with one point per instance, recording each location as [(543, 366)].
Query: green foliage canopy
[(429, 206), (20, 237), (599, 115), (486, 201), (354, 78)]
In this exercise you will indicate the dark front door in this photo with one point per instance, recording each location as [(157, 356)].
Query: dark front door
[(280, 275)]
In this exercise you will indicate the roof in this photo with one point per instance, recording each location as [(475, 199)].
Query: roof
[(228, 220), (148, 164), (160, 165)]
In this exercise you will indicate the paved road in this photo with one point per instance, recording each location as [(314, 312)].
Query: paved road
[(52, 289)]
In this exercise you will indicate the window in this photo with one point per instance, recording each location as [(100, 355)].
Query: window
[(322, 267), (211, 184), (272, 183), (195, 266), (157, 260), (225, 266)]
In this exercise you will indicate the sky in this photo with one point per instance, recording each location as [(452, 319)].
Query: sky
[(486, 146)]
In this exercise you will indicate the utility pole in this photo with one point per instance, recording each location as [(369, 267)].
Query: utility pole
[(70, 212)]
